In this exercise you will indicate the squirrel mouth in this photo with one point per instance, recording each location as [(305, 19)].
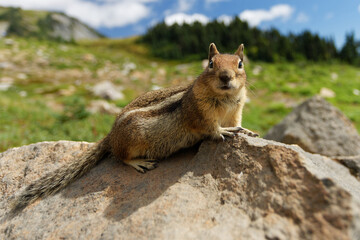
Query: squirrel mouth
[(226, 87)]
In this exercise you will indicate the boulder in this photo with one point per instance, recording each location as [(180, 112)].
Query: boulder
[(318, 127), (244, 188)]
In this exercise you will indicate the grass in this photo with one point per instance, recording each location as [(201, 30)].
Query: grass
[(48, 99), (280, 86)]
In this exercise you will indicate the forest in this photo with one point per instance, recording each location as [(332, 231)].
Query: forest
[(190, 41)]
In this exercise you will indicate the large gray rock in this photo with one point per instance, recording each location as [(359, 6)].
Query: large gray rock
[(68, 28), (318, 127), (246, 188)]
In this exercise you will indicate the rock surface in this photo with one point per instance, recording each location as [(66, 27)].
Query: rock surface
[(245, 188), (351, 162), (318, 127)]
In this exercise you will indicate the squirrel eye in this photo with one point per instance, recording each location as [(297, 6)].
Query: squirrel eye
[(240, 64), (211, 64)]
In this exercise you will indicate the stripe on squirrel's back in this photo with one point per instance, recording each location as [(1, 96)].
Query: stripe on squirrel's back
[(154, 97), (168, 105)]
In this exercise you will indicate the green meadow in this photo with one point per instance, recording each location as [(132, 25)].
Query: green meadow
[(51, 87)]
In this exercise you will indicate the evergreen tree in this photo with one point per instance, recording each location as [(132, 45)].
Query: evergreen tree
[(192, 41), (350, 51)]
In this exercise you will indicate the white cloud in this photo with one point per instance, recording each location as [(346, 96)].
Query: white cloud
[(226, 19), (181, 18), (359, 7), (302, 18), (255, 17), (102, 13), (109, 15), (185, 5), (181, 6)]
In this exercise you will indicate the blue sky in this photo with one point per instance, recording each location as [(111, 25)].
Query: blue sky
[(122, 18)]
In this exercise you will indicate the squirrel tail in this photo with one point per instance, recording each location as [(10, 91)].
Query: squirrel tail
[(61, 177)]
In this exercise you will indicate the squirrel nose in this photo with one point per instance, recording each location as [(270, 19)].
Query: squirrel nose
[(225, 76)]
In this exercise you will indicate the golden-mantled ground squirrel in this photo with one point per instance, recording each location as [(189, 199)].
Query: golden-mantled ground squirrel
[(161, 122)]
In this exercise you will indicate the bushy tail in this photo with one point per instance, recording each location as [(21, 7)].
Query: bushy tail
[(60, 178)]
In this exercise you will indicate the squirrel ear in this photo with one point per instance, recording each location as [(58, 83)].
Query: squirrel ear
[(240, 52), (212, 51)]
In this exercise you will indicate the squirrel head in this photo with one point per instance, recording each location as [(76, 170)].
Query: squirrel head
[(225, 74)]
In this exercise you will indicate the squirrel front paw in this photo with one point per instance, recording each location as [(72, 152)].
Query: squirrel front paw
[(248, 132), (227, 132)]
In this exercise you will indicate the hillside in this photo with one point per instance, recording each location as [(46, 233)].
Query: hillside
[(44, 25), (46, 87)]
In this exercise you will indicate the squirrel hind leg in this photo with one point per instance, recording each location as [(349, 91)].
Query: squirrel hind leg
[(142, 165)]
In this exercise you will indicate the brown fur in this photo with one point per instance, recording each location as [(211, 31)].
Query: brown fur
[(161, 122)]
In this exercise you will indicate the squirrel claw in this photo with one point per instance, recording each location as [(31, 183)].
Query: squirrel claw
[(248, 132), (142, 165), (222, 138)]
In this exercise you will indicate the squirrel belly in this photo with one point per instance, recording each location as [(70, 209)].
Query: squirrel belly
[(159, 123)]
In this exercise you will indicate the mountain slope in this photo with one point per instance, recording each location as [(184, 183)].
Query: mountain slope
[(45, 25)]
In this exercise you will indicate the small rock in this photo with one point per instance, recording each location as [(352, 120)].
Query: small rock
[(161, 72), (182, 67), (102, 106), (139, 75), (68, 91), (23, 93), (356, 92), (327, 93), (6, 65), (128, 67), (9, 42), (78, 82), (107, 90), (292, 85), (21, 76), (190, 78), (42, 61), (88, 57), (334, 76), (64, 48), (257, 70), (5, 86), (155, 87), (40, 53)]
